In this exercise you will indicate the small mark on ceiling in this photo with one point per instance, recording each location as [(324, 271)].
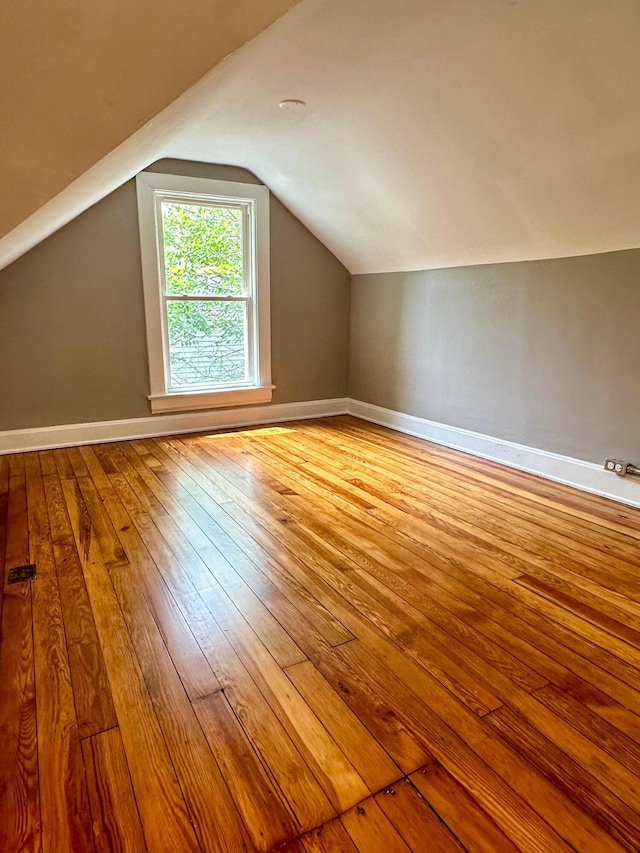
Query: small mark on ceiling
[(292, 105)]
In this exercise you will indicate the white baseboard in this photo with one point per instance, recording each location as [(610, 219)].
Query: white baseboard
[(563, 469), (46, 438), (587, 476)]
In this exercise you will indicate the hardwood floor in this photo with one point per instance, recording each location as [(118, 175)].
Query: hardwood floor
[(321, 636)]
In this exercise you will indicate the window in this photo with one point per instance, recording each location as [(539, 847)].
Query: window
[(205, 267)]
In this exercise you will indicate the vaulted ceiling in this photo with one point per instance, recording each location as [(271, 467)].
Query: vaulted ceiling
[(77, 78), (442, 132), (435, 132)]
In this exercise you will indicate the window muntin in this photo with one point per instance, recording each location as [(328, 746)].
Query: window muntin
[(205, 258)]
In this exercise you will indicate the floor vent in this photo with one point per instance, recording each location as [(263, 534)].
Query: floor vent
[(22, 573)]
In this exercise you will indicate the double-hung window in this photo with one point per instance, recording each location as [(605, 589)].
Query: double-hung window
[(205, 265)]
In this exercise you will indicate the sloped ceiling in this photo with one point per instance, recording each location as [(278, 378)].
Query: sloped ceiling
[(436, 133), (441, 132), (77, 78)]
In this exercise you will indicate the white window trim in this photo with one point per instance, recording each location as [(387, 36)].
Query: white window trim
[(151, 185)]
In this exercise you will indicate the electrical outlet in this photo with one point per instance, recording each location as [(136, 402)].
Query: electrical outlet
[(616, 466)]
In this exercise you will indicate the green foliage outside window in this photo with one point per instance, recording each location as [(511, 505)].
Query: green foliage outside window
[(203, 249)]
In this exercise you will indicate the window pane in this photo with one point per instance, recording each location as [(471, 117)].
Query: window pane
[(206, 342), (202, 249)]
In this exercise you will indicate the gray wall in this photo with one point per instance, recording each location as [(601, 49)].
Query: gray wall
[(72, 331), (544, 353)]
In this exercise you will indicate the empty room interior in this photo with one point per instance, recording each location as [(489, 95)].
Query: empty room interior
[(320, 426)]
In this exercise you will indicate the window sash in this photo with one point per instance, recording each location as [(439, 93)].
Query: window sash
[(249, 377), (248, 231)]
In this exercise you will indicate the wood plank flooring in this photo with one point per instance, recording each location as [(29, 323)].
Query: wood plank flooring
[(321, 636)]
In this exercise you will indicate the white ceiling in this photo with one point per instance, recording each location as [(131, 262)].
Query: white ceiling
[(440, 132)]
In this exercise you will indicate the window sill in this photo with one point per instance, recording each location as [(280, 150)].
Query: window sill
[(192, 400)]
